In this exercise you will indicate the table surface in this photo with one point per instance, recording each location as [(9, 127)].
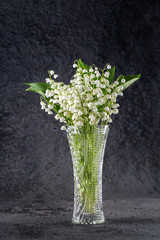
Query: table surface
[(129, 219)]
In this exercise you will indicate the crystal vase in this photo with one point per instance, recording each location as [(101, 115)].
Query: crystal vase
[(87, 147)]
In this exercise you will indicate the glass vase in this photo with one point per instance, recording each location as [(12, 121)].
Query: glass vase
[(87, 147)]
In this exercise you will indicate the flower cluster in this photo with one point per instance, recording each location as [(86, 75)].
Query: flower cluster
[(89, 99)]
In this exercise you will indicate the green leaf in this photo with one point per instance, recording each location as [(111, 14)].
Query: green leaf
[(56, 108), (111, 76), (39, 87), (36, 91), (82, 65), (130, 79), (42, 86)]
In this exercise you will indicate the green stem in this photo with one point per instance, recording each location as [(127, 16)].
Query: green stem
[(86, 149)]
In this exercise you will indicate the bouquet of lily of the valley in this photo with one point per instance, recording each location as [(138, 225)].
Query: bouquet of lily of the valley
[(85, 107), (89, 99)]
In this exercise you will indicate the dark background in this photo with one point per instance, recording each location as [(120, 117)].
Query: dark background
[(36, 36)]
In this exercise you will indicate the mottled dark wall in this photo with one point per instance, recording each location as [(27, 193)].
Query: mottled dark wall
[(40, 35)]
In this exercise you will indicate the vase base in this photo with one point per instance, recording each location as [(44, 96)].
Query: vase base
[(88, 219)]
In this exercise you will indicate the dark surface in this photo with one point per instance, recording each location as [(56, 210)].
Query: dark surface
[(39, 35), (125, 220)]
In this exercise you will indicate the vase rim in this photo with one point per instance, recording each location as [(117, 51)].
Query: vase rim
[(87, 127)]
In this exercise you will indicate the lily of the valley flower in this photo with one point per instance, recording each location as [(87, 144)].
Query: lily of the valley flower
[(89, 99)]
